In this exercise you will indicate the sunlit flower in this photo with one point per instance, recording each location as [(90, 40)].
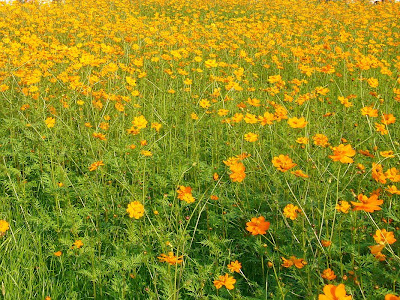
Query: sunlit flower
[(384, 237), (343, 206), (368, 204), (251, 137), (225, 280), (328, 274), (171, 258), (343, 154), (4, 226), (50, 122), (185, 194), (78, 244), (95, 165), (135, 210), (283, 163), (320, 140), (235, 266), (297, 122), (257, 226), (332, 292), (290, 211)]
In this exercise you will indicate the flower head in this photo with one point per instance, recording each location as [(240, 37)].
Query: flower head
[(384, 237), (135, 210), (225, 280), (95, 165), (332, 292), (367, 204), (283, 163), (4, 226), (343, 154), (290, 211), (257, 226), (185, 194), (171, 258), (50, 122), (235, 266), (328, 274)]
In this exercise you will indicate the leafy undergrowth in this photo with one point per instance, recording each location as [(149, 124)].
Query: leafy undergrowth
[(200, 150)]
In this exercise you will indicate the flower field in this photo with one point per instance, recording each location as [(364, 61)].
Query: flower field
[(233, 149)]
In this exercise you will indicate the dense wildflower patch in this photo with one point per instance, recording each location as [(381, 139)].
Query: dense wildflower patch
[(164, 149)]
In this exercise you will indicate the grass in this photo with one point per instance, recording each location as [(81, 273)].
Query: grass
[(216, 117)]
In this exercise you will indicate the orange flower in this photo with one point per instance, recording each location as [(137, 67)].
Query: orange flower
[(343, 153), (297, 122), (251, 137), (238, 171), (171, 258), (388, 119), (78, 244), (377, 173), (326, 243), (383, 237), (299, 173), (235, 266), (283, 163), (58, 253), (297, 262), (287, 263), (391, 297), (367, 204), (369, 111), (393, 190), (320, 140), (95, 165), (343, 207), (328, 274), (226, 280), (290, 211), (332, 292), (185, 194), (257, 226), (376, 251)]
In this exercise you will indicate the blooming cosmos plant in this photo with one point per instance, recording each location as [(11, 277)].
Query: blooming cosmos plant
[(257, 226)]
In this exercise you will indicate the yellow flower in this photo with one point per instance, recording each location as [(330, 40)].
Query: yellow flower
[(384, 237), (139, 122), (171, 258), (290, 211), (185, 194), (283, 163), (297, 122), (251, 137), (332, 292), (135, 210), (78, 244), (50, 122), (235, 266), (95, 165), (328, 274), (343, 207), (302, 140), (343, 154), (146, 153), (156, 126), (4, 226), (225, 280)]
